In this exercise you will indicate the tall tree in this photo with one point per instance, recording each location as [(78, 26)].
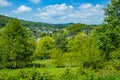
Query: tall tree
[(109, 32), (16, 48)]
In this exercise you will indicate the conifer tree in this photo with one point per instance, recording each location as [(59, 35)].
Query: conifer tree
[(15, 47)]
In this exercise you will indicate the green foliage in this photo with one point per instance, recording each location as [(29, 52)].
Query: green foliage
[(115, 54), (111, 12), (58, 59), (71, 57), (68, 49), (61, 41), (89, 53), (74, 44), (76, 28), (97, 54), (109, 39), (44, 47), (108, 33), (69, 75), (84, 51), (27, 75), (15, 47), (4, 20)]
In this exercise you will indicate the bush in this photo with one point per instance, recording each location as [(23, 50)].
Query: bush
[(69, 75), (27, 75)]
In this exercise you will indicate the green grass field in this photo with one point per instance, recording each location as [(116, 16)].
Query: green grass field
[(57, 72), (49, 67)]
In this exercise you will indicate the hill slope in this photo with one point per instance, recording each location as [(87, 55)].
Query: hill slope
[(6, 19)]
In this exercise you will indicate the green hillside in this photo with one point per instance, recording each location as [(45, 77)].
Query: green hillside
[(6, 19)]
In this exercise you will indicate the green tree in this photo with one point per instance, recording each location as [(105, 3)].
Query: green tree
[(15, 46), (44, 47), (89, 52), (71, 57), (61, 41), (74, 44), (84, 50), (109, 31)]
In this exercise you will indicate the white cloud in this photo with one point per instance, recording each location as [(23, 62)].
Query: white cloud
[(62, 13), (22, 9), (5, 3), (86, 6), (36, 1), (55, 10)]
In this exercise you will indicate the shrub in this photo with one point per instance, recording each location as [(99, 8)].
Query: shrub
[(27, 75)]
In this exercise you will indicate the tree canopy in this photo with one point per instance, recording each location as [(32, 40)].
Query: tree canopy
[(109, 31), (15, 47)]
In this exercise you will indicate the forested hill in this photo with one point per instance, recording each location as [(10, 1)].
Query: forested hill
[(6, 19), (78, 27)]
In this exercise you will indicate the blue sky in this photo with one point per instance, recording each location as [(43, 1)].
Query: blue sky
[(55, 11)]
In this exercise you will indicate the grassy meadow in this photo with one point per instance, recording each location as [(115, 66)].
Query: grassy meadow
[(57, 73)]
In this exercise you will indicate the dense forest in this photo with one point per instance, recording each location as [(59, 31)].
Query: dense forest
[(61, 52)]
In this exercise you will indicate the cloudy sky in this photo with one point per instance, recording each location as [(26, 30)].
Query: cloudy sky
[(55, 11)]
